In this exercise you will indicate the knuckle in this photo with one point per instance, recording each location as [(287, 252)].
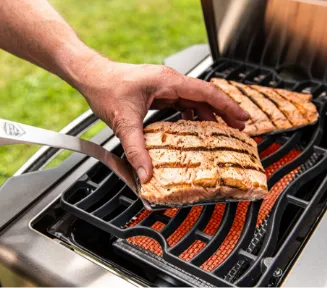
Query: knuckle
[(214, 91), (168, 71), (172, 80), (224, 108), (213, 88), (209, 85), (182, 81), (229, 105), (132, 153)]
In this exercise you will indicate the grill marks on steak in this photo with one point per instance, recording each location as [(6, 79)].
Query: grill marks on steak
[(302, 102), (258, 119), (270, 109), (201, 161), (295, 117), (162, 158)]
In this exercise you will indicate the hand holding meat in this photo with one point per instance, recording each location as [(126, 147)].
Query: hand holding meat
[(121, 95)]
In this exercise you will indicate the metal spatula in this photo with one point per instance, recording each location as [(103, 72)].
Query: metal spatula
[(15, 133)]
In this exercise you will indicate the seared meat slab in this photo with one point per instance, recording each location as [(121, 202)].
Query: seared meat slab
[(201, 161), (270, 109)]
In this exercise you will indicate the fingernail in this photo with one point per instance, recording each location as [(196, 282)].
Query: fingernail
[(142, 174), (246, 115)]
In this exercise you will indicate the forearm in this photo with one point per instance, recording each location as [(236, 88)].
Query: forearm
[(120, 94), (33, 30)]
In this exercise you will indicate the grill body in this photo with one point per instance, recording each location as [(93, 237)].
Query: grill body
[(247, 244), (246, 234)]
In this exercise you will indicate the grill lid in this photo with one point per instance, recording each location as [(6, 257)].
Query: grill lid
[(285, 35)]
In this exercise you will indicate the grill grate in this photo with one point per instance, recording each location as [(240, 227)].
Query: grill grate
[(231, 239), (188, 238), (262, 223)]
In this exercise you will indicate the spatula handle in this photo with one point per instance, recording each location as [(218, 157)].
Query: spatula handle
[(17, 133)]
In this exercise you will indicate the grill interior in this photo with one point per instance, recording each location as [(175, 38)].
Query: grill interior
[(239, 244)]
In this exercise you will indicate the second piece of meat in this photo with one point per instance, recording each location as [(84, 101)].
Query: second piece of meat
[(270, 109)]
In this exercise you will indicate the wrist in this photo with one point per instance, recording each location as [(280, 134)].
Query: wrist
[(78, 64)]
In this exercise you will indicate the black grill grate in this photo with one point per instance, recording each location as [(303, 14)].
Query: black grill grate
[(109, 204), (260, 232)]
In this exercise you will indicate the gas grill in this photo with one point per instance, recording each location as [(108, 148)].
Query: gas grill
[(79, 225)]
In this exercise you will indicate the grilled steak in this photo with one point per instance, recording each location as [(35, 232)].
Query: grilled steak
[(201, 161), (270, 109)]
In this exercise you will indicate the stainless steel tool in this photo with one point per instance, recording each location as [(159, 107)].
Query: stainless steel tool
[(16, 133)]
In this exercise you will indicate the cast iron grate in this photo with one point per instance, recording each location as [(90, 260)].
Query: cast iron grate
[(140, 247), (261, 230), (109, 204)]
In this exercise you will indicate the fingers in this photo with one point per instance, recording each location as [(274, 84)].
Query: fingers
[(201, 91), (234, 123), (187, 108), (130, 132), (205, 113), (188, 114), (159, 104)]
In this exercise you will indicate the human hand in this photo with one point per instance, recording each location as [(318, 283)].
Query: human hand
[(121, 95)]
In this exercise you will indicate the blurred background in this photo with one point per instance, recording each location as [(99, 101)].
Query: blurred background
[(135, 31)]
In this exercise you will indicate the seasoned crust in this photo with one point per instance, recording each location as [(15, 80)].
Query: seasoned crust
[(201, 161), (270, 109)]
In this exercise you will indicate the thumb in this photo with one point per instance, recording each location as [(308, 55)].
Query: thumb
[(130, 133)]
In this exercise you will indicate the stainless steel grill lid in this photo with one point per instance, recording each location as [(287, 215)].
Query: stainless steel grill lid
[(287, 35)]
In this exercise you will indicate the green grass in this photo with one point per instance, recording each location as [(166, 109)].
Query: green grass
[(136, 31)]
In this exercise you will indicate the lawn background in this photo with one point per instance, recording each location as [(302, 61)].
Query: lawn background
[(136, 31)]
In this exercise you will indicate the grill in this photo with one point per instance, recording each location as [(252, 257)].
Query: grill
[(84, 207), (222, 244)]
